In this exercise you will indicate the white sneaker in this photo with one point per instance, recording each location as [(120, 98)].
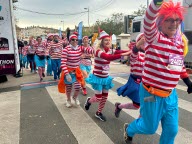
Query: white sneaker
[(76, 101), (68, 104)]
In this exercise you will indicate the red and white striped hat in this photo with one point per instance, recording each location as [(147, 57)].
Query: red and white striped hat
[(75, 33), (72, 37), (50, 34), (56, 34), (139, 36), (84, 37), (103, 34)]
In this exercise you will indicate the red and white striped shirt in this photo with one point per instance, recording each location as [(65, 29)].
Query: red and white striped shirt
[(65, 42), (24, 50), (137, 63), (40, 49), (71, 56), (31, 49), (157, 71), (102, 60), (86, 59), (55, 49)]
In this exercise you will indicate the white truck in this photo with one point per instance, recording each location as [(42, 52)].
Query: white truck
[(9, 56)]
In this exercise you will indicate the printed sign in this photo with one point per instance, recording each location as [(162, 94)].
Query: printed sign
[(7, 64), (4, 44), (9, 56)]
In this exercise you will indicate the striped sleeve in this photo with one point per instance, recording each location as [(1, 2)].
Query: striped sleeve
[(150, 28), (106, 56), (87, 50), (133, 57), (120, 51), (64, 60)]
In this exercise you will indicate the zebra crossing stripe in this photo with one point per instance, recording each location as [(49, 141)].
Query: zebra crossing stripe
[(85, 130), (182, 103), (9, 117)]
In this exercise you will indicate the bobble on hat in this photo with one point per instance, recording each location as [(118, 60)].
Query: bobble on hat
[(72, 37), (103, 34), (75, 33), (139, 36)]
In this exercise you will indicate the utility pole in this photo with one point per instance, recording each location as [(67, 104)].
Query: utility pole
[(63, 25), (88, 17)]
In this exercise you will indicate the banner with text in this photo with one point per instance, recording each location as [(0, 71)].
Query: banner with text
[(8, 40)]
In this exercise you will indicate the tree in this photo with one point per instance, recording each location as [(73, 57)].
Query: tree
[(140, 11), (113, 25)]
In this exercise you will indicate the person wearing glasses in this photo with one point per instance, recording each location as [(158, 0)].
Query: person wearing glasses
[(71, 74), (85, 63), (164, 65), (100, 79), (55, 50)]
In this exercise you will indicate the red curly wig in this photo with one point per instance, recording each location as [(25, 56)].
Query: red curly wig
[(170, 9)]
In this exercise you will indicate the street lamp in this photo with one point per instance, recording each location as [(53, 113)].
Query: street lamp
[(63, 25), (88, 17)]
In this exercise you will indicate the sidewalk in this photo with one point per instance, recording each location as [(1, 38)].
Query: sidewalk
[(27, 77)]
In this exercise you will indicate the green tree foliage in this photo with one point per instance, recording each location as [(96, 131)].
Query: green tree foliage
[(113, 25), (140, 11)]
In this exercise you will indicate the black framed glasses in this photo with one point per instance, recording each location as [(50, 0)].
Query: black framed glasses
[(74, 39), (171, 20)]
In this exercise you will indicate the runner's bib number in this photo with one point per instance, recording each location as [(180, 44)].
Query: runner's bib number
[(176, 62)]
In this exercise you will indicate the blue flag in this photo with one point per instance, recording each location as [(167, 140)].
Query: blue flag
[(80, 30)]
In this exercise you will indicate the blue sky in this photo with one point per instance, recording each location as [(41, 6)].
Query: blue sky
[(99, 9)]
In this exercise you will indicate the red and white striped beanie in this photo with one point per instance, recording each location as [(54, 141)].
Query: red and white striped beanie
[(50, 34), (56, 34), (75, 33), (139, 36), (84, 37), (72, 37), (103, 34)]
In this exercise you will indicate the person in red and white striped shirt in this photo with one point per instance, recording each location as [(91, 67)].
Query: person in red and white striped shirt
[(131, 88), (85, 63), (40, 50), (70, 61), (31, 54), (100, 79), (55, 50), (48, 59), (164, 65)]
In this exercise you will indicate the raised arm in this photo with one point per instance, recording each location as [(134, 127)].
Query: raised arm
[(110, 57), (150, 27), (120, 51), (87, 50)]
